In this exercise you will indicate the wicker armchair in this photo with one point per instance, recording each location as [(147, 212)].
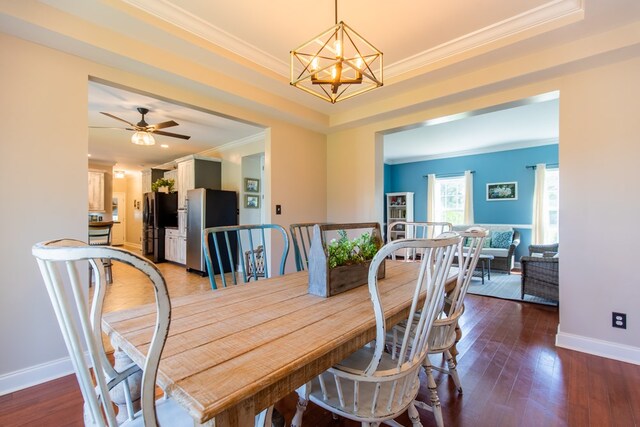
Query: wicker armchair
[(540, 273)]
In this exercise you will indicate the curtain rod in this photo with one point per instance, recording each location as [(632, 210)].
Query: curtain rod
[(548, 164), (443, 175)]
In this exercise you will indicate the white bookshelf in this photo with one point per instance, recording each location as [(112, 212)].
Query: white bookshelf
[(399, 208)]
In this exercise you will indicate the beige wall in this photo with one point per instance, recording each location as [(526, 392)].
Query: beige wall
[(599, 205), (134, 215), (599, 148), (51, 87), (46, 166)]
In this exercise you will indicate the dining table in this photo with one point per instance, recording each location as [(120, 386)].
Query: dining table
[(234, 351)]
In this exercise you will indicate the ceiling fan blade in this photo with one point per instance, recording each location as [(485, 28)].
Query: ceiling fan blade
[(117, 118), (174, 135), (163, 125)]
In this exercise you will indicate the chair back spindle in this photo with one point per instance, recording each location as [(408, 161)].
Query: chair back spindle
[(301, 236)]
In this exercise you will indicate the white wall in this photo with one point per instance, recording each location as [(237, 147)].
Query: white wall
[(251, 169), (47, 168)]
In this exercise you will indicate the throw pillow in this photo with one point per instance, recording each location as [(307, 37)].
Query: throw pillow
[(501, 239), (487, 241)]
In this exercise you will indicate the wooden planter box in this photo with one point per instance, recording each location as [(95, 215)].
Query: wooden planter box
[(325, 281)]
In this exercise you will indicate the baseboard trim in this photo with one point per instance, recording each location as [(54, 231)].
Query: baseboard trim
[(608, 349), (34, 375)]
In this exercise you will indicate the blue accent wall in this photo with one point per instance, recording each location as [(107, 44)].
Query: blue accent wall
[(502, 166)]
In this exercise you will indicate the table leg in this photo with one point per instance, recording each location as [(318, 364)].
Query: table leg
[(118, 395), (489, 269), (482, 266), (241, 415)]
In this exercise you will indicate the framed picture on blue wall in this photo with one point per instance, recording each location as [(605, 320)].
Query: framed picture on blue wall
[(500, 191)]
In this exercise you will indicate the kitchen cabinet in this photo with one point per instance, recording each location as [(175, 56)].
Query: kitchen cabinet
[(172, 174), (96, 191), (197, 172), (149, 176), (174, 246)]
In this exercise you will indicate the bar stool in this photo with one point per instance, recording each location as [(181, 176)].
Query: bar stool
[(100, 235)]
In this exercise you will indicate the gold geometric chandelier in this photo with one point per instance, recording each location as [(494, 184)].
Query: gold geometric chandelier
[(337, 64)]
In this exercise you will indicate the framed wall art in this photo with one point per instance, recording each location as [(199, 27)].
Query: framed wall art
[(251, 185), (500, 191), (251, 201)]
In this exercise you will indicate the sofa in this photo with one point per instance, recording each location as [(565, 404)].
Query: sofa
[(540, 272), (503, 248)]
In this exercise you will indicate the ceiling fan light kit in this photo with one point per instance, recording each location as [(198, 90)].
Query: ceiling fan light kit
[(143, 130), (143, 138), (337, 64)]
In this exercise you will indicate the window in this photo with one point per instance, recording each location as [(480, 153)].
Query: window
[(551, 205), (449, 199)]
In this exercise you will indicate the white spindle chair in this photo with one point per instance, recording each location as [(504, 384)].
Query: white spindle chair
[(443, 333), (416, 230), (80, 323), (372, 385)]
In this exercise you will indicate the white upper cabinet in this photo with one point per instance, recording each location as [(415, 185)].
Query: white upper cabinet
[(96, 191)]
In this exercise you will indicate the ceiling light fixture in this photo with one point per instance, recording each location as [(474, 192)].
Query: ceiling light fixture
[(143, 138), (333, 67), (118, 174)]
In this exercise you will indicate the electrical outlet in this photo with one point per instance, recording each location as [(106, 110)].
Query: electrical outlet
[(619, 320)]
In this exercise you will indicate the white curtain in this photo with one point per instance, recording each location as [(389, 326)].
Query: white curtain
[(537, 229), (431, 197), (468, 198)]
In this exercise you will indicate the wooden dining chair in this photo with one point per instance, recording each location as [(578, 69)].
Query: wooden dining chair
[(100, 235), (301, 235), (374, 385), (239, 249), (414, 230), (60, 263)]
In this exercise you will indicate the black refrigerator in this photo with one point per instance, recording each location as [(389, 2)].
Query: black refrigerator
[(159, 210), (208, 208)]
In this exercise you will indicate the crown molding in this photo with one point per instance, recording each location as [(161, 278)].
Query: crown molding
[(538, 19), (483, 150), (193, 24), (234, 144), (542, 18)]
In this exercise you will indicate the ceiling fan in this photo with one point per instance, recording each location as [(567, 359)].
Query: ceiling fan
[(143, 127)]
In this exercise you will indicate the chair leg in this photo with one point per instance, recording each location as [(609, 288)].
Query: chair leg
[(435, 399), (414, 416), (303, 399), (453, 371)]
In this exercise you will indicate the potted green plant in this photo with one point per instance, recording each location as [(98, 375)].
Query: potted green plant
[(163, 185), (342, 263)]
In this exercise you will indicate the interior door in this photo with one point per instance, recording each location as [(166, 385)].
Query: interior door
[(119, 216)]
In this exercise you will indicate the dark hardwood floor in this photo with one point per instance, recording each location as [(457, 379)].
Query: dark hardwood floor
[(511, 372)]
